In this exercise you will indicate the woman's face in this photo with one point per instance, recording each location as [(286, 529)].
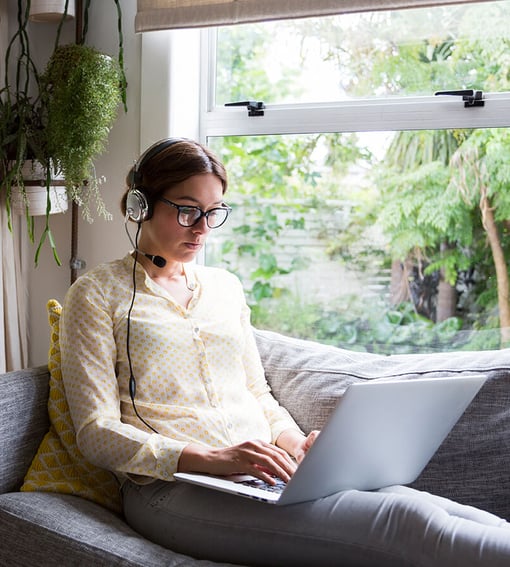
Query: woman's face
[(164, 236)]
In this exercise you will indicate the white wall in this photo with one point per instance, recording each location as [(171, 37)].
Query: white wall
[(101, 240)]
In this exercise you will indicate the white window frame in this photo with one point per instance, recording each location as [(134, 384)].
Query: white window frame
[(177, 99), (363, 115), (415, 113)]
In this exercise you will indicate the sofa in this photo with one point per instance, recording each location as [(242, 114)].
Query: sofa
[(43, 528)]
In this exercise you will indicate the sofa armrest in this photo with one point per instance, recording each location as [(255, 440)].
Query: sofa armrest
[(23, 422), (472, 465)]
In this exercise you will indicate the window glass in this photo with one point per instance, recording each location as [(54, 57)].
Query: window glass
[(371, 54), (368, 224), (375, 241)]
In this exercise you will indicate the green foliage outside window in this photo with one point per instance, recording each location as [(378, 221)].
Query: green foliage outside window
[(441, 198)]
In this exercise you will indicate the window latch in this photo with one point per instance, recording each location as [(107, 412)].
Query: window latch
[(469, 96), (254, 108)]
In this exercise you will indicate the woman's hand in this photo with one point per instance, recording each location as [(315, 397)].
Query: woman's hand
[(308, 442), (295, 443), (257, 458)]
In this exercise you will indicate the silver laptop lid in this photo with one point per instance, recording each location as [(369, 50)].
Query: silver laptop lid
[(382, 432)]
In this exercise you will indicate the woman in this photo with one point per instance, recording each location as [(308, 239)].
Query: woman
[(162, 374)]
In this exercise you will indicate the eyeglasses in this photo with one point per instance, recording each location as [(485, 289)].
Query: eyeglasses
[(189, 216)]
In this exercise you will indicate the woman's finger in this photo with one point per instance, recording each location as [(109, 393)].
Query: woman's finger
[(266, 461)]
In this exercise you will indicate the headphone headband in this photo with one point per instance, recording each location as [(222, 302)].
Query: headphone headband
[(148, 154)]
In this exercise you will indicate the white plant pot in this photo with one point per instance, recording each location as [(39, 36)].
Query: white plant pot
[(50, 10), (33, 199)]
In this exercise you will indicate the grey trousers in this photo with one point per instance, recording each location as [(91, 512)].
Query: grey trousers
[(393, 527)]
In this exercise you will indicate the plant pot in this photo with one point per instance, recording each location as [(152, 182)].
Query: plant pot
[(50, 10), (33, 198)]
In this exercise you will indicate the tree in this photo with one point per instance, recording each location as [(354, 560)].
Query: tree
[(478, 62), (481, 174), (419, 160)]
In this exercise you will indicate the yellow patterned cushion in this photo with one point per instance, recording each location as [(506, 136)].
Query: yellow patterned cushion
[(58, 465)]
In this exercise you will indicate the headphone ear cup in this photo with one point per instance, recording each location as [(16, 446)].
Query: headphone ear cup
[(137, 206)]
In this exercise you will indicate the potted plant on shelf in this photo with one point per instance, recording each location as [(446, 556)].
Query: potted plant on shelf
[(30, 183), (23, 149)]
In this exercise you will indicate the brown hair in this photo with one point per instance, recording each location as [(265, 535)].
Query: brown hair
[(172, 165)]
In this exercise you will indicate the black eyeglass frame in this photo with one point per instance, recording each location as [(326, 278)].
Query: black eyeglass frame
[(202, 213)]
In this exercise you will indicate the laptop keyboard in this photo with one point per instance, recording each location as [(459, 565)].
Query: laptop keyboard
[(257, 483)]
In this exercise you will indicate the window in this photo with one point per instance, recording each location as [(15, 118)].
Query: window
[(363, 55), (368, 212)]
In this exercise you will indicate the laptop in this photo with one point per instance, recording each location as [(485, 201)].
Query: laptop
[(382, 432)]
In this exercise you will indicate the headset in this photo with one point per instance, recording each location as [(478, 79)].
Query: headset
[(138, 206), (139, 210)]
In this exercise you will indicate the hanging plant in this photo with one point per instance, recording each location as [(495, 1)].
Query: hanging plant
[(22, 139), (22, 132), (60, 120), (82, 91)]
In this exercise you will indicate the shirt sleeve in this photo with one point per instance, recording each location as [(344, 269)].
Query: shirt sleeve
[(277, 416), (88, 370)]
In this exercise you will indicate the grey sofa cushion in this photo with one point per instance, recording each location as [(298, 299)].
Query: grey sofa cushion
[(74, 532), (308, 378), (473, 464), (23, 422)]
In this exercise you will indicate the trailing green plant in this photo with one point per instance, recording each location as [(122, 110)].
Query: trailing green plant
[(123, 80), (81, 90), (22, 138), (21, 120)]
